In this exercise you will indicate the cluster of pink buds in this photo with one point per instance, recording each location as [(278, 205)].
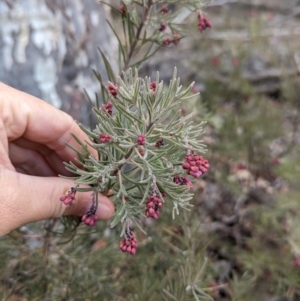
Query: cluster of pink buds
[(141, 140), (182, 181), (167, 41), (164, 10), (195, 165), (152, 207), (90, 218), (113, 89), (129, 243), (107, 108), (203, 22), (68, 198), (104, 137), (159, 142), (174, 41), (162, 27), (153, 86)]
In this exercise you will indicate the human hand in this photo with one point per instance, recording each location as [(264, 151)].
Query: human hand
[(33, 137)]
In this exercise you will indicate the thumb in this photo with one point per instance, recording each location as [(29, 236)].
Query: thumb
[(25, 199)]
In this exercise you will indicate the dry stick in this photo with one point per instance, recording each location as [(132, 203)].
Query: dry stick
[(47, 237)]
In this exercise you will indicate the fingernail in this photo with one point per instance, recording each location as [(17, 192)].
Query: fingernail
[(103, 211)]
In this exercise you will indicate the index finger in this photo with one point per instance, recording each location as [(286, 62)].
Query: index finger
[(27, 116)]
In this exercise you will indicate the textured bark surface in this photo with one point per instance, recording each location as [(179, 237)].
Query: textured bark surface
[(48, 48)]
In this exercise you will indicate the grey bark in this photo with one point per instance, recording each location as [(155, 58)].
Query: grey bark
[(48, 48)]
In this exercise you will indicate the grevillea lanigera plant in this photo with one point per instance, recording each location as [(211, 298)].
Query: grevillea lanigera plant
[(147, 153)]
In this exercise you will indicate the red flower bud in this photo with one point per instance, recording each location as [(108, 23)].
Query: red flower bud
[(159, 142), (153, 206), (185, 165), (162, 27), (153, 86), (164, 10), (133, 251), (167, 41), (69, 197), (141, 140), (195, 165), (123, 9), (113, 89), (194, 168), (107, 108), (104, 137), (129, 243), (203, 22)]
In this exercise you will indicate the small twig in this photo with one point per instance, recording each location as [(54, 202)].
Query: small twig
[(46, 244), (128, 154), (126, 157), (137, 35)]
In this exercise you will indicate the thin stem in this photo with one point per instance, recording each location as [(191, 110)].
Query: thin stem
[(126, 157), (48, 235), (137, 35)]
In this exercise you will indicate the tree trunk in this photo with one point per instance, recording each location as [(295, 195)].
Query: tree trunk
[(48, 48)]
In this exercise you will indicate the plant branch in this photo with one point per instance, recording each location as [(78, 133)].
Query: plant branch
[(137, 35), (128, 154)]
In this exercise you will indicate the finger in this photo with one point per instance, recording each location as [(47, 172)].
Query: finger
[(29, 161), (48, 155), (26, 199), (4, 159), (28, 116)]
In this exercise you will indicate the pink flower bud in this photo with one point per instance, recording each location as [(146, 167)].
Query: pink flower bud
[(113, 89), (203, 22), (123, 9), (162, 27), (153, 86), (167, 41), (62, 198), (133, 251), (69, 197), (194, 168), (164, 10), (189, 158), (185, 165), (150, 204), (107, 108), (141, 140), (151, 211)]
